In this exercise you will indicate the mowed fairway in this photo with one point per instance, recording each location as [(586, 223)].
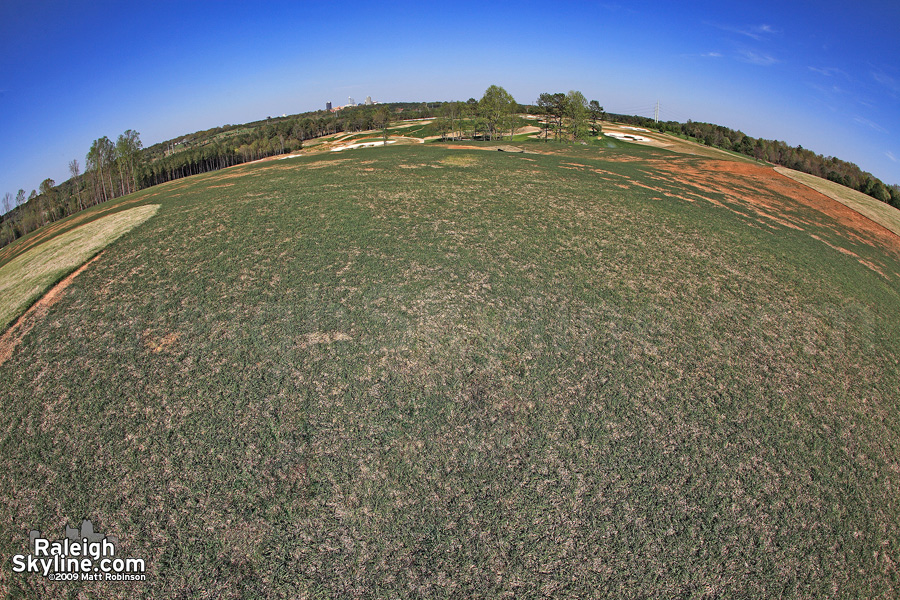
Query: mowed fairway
[(427, 372)]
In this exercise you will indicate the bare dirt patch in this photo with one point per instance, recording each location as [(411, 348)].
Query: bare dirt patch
[(776, 198), (528, 129), (883, 214), (325, 163)]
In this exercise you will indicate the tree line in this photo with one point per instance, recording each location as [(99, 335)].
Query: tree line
[(113, 169)]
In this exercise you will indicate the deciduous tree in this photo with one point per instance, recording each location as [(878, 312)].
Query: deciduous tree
[(554, 107), (495, 108), (47, 200), (383, 121), (127, 154), (577, 113)]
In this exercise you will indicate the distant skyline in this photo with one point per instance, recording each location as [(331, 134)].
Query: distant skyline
[(824, 75)]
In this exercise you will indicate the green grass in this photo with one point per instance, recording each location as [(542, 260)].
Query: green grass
[(418, 130), (427, 372)]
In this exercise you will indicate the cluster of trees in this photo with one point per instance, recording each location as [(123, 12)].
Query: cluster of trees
[(569, 114), (115, 169), (490, 118), (111, 170), (777, 152), (230, 145)]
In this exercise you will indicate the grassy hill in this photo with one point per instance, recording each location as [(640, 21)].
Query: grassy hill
[(436, 371)]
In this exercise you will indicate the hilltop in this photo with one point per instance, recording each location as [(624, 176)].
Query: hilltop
[(116, 168), (442, 369)]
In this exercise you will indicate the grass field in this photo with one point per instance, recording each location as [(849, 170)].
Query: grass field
[(431, 371), (25, 278)]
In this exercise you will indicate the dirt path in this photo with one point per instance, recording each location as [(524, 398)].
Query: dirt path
[(11, 338)]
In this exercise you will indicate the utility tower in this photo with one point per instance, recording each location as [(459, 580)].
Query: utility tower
[(656, 114)]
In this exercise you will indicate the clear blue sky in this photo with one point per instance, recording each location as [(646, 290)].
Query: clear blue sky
[(824, 75)]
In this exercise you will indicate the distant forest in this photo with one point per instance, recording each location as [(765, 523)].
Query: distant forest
[(113, 169)]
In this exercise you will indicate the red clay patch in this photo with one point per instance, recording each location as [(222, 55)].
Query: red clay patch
[(777, 198)]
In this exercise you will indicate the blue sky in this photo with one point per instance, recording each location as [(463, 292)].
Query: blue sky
[(824, 75)]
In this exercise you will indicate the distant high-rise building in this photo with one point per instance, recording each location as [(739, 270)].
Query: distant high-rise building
[(350, 102), (368, 100), (328, 106)]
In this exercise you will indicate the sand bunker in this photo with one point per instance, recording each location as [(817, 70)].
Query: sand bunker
[(361, 145), (628, 137)]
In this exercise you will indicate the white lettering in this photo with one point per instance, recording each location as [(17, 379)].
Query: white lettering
[(135, 564), (18, 563), (40, 546), (46, 565)]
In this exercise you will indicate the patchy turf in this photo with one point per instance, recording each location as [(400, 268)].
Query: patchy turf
[(27, 276), (430, 372), (883, 214)]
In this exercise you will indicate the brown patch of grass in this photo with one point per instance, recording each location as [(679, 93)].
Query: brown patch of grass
[(232, 172), (870, 265), (323, 337), (838, 248), (157, 345), (320, 164), (464, 160)]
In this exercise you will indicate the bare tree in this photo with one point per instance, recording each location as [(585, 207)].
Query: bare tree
[(75, 171), (47, 201), (99, 160)]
